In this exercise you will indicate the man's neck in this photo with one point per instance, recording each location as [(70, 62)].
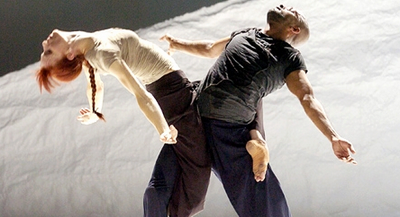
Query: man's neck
[(278, 34)]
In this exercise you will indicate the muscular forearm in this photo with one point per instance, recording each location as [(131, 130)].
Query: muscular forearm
[(202, 48), (341, 147), (197, 48), (299, 85), (316, 113)]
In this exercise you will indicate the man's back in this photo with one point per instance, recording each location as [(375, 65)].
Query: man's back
[(251, 66)]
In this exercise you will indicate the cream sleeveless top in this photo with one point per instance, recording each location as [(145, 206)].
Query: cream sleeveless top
[(147, 61)]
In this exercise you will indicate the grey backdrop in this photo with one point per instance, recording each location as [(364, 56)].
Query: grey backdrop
[(24, 24)]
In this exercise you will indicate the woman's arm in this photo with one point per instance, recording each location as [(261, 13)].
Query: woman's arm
[(299, 85), (202, 48), (146, 101)]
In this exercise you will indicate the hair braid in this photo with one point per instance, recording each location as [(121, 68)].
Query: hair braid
[(93, 86)]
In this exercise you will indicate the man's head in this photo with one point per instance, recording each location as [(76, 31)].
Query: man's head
[(287, 24)]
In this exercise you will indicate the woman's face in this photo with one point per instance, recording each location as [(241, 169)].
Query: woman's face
[(55, 47)]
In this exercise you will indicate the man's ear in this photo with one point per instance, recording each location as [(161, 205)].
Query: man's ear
[(295, 30)]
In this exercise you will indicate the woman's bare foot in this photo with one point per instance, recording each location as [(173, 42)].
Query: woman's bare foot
[(259, 152)]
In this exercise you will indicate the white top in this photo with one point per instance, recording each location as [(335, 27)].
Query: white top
[(147, 61)]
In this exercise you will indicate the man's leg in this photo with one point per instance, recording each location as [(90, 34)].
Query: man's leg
[(159, 190), (233, 165)]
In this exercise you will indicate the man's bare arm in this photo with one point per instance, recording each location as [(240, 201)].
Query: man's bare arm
[(202, 48), (299, 85)]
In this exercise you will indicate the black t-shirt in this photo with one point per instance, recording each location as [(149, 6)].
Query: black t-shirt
[(252, 65)]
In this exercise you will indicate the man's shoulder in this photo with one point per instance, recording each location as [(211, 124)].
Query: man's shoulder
[(245, 30)]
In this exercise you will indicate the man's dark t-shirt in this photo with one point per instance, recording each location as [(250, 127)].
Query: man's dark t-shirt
[(252, 65)]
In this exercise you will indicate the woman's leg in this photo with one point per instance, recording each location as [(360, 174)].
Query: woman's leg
[(158, 192), (194, 159), (174, 93)]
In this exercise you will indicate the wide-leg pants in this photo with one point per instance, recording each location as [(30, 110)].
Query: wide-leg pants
[(232, 164), (182, 171)]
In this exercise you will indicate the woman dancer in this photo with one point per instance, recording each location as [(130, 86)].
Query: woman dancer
[(181, 174)]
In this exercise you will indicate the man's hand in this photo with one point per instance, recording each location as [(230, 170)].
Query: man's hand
[(87, 117), (170, 40), (343, 150), (169, 137)]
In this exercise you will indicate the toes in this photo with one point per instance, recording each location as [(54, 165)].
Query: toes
[(259, 173)]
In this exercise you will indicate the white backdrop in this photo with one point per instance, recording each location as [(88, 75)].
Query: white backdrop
[(51, 165)]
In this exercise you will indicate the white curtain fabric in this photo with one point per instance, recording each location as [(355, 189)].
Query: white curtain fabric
[(51, 165)]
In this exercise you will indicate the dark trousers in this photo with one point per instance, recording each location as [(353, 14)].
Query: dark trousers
[(232, 164), (182, 171), (159, 190)]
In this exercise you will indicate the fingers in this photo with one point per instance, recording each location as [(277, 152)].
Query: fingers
[(82, 118), (343, 151), (346, 157), (352, 150), (170, 52), (165, 37), (174, 133), (171, 142), (84, 111), (167, 140), (86, 116), (349, 146), (173, 130), (170, 136), (168, 38), (349, 159)]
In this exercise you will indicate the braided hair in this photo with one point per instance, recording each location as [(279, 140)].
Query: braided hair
[(93, 86)]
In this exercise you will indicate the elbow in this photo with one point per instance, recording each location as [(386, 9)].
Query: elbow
[(308, 97), (306, 100), (210, 51), (100, 86), (210, 54), (145, 102), (213, 55)]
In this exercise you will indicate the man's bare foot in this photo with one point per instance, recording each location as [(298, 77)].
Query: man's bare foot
[(259, 152)]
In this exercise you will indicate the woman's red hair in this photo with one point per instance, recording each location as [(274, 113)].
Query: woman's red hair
[(66, 70)]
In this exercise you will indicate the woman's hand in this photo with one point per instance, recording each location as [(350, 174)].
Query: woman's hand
[(87, 117), (169, 137)]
